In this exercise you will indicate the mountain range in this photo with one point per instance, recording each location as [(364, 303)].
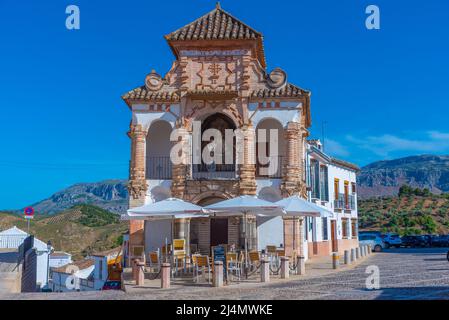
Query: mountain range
[(382, 178)]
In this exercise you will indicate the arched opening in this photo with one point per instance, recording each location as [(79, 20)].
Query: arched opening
[(217, 156), (158, 146), (270, 148)]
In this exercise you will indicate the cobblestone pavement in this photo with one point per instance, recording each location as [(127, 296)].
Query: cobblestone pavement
[(404, 274)]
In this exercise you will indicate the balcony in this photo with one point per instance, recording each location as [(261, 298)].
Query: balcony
[(263, 171), (159, 168), (214, 171), (343, 203)]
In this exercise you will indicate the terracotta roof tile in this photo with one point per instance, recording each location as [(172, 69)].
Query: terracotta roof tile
[(215, 25), (81, 264), (289, 90), (106, 253), (142, 93)]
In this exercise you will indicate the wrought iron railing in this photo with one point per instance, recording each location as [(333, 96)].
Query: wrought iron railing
[(275, 171), (213, 171), (159, 168), (345, 202)]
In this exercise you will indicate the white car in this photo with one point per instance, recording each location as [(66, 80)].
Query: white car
[(373, 240)]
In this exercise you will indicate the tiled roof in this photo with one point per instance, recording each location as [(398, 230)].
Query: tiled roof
[(81, 264), (60, 254), (345, 164), (215, 25), (142, 93), (107, 253), (289, 90)]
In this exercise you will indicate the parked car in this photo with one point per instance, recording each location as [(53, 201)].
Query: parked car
[(409, 241), (374, 241), (392, 240), (377, 233), (440, 241), (423, 241), (112, 285)]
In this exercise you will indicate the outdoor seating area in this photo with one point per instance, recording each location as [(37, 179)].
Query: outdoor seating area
[(196, 268), (178, 261)]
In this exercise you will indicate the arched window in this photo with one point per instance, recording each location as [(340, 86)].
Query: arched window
[(158, 146), (217, 157)]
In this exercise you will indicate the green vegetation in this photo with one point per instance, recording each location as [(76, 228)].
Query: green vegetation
[(94, 216), (413, 211), (81, 230), (406, 190)]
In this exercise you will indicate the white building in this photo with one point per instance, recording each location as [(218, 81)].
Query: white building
[(85, 275), (59, 259), (14, 237), (331, 184)]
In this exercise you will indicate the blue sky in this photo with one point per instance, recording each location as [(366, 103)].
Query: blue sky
[(381, 93)]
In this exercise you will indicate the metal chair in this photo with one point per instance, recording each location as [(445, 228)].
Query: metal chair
[(200, 262), (154, 261), (233, 264)]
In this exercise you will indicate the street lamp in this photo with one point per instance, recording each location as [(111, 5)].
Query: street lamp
[(50, 250)]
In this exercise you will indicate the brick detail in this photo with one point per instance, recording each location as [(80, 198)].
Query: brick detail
[(179, 170), (137, 183), (248, 184)]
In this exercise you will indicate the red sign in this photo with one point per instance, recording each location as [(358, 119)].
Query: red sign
[(29, 211)]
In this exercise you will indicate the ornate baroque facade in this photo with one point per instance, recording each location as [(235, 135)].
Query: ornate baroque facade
[(218, 77)]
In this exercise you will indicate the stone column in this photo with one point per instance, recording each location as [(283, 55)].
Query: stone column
[(247, 183), (247, 170), (180, 168), (291, 175), (264, 270), (285, 269), (165, 276), (137, 182)]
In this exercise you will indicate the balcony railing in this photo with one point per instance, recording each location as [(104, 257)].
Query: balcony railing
[(343, 203), (214, 171), (159, 168), (264, 171)]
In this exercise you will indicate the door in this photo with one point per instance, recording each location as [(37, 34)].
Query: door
[(334, 236), (218, 231)]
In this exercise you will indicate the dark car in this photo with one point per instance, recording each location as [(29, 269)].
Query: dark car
[(440, 241), (424, 241), (112, 285), (409, 241)]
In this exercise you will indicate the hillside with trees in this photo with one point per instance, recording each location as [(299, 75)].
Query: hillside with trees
[(412, 211)]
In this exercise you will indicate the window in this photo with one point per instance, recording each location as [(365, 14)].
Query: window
[(336, 188), (325, 230), (345, 228), (324, 186), (354, 190), (315, 178), (354, 228), (346, 194)]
